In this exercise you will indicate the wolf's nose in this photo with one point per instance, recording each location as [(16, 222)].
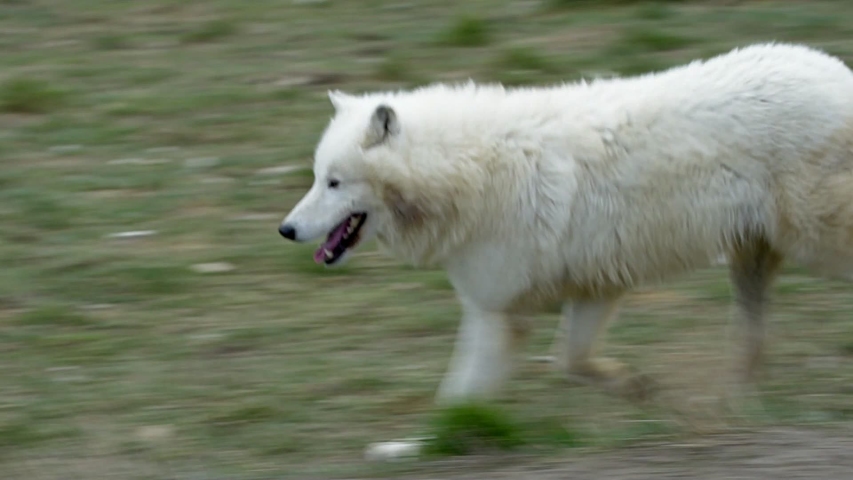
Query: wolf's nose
[(287, 231)]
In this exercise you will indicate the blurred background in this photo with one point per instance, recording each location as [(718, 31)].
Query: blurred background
[(154, 325)]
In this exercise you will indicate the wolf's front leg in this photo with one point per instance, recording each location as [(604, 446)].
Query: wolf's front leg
[(481, 363), (483, 357)]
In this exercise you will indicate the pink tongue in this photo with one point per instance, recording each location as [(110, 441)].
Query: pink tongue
[(333, 241)]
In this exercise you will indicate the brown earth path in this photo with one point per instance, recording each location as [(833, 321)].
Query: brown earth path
[(777, 454)]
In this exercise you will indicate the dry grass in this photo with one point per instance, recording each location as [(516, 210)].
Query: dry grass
[(121, 361)]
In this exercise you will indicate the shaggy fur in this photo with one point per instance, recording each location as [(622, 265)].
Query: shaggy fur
[(579, 192)]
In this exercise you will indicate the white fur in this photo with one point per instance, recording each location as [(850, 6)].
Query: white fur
[(580, 192)]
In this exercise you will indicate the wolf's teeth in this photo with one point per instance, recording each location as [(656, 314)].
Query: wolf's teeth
[(328, 253)]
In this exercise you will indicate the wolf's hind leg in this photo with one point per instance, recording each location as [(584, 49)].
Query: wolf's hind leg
[(752, 268), (582, 323)]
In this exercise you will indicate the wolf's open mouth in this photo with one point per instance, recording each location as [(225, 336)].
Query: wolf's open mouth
[(342, 238)]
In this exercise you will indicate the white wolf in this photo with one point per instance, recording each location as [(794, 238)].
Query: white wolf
[(577, 193)]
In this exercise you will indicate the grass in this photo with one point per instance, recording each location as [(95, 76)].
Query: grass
[(119, 360), (575, 4), (652, 40), (393, 69), (212, 31), (54, 317), (466, 31), (525, 59), (29, 95), (483, 429), (467, 429), (110, 42), (520, 66)]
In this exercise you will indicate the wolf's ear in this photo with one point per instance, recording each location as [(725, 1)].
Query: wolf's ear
[(383, 124), (339, 99)]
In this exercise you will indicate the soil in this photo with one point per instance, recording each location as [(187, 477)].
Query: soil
[(778, 454)]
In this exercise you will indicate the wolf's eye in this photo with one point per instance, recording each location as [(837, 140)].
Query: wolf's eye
[(334, 183)]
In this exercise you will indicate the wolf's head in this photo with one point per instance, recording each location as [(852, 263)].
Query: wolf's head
[(410, 169), (353, 198)]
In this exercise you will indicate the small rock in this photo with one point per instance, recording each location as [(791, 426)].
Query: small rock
[(215, 267), (400, 6), (133, 234), (162, 149), (326, 78), (97, 306), (138, 161), (64, 375), (823, 363), (65, 148), (542, 359), (206, 337), (126, 161), (315, 79), (719, 260), (201, 162), (62, 369), (282, 170), (393, 451), (154, 432), (290, 82), (211, 180), (255, 217), (272, 181), (159, 45)]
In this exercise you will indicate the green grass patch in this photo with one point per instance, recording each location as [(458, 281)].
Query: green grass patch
[(55, 315), (523, 66), (111, 42), (645, 330), (574, 4), (553, 432), (16, 433), (472, 428), (525, 59), (467, 31), (155, 279), (652, 40), (847, 345), (212, 31), (29, 95), (242, 415), (393, 68), (655, 11), (43, 210)]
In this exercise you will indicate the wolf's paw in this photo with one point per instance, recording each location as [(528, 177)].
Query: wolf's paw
[(614, 377), (742, 400), (598, 370), (638, 387)]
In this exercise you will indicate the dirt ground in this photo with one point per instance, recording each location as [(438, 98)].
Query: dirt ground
[(778, 454)]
